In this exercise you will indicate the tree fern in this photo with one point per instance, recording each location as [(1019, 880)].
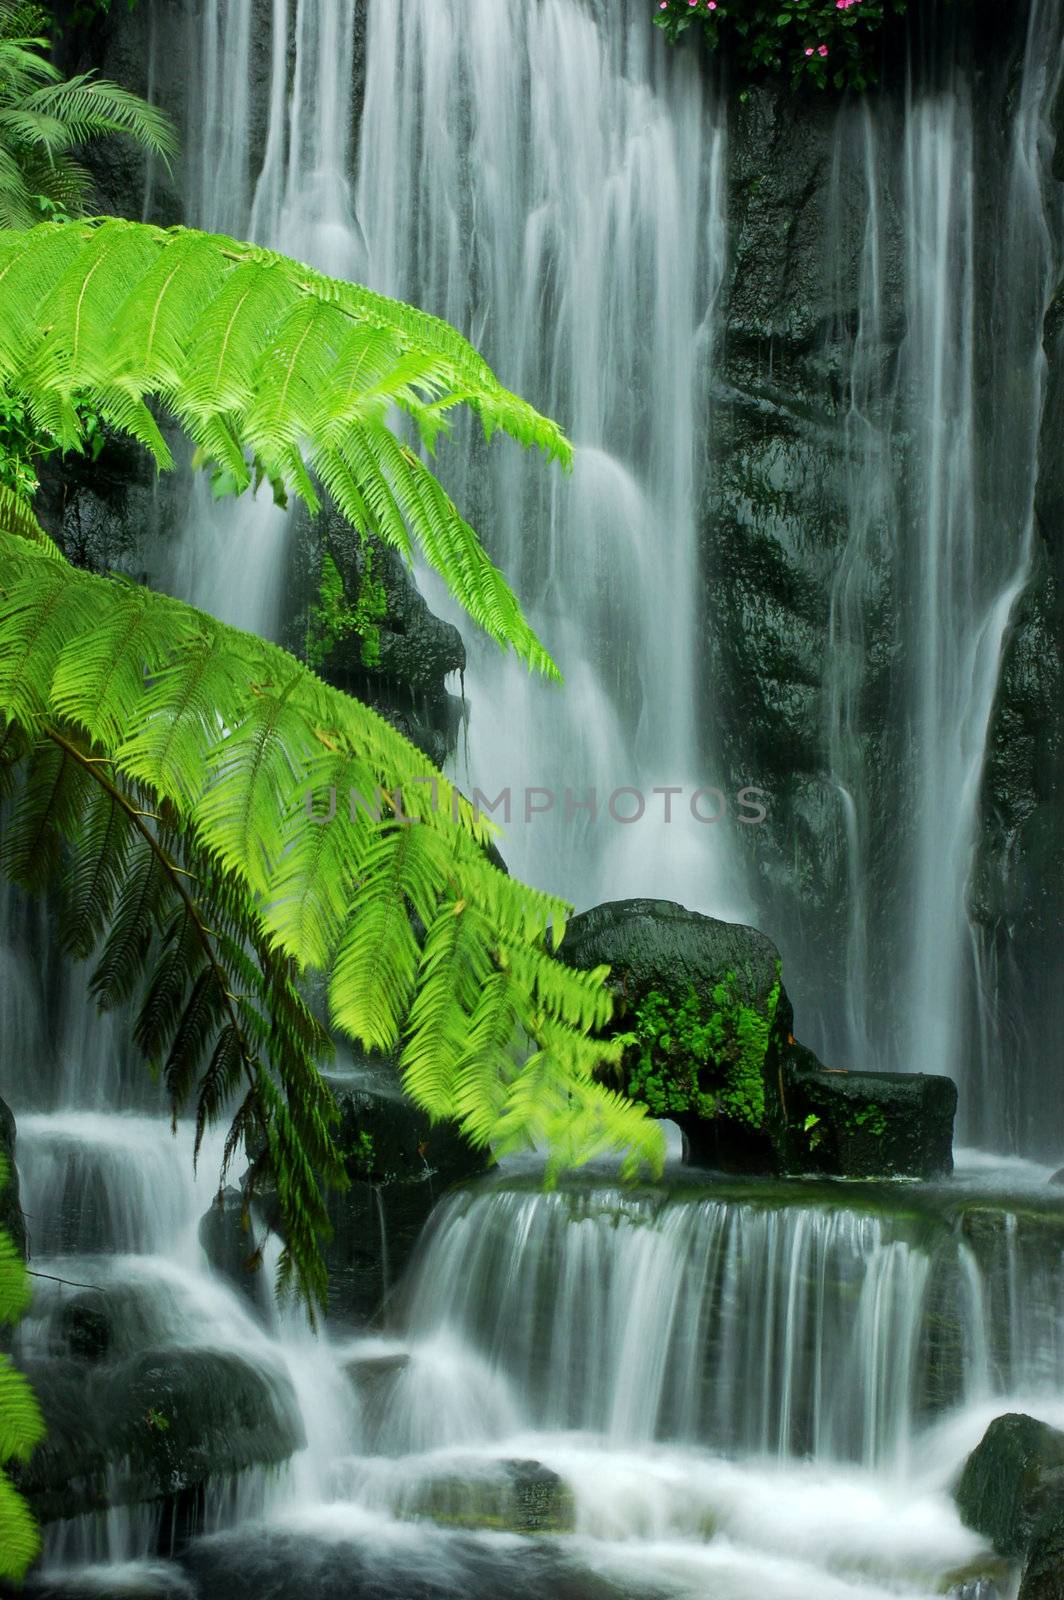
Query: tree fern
[(160, 764), (21, 1425), (45, 119), (272, 370)]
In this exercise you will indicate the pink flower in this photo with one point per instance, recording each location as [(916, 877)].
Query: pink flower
[(822, 50), (711, 5), (809, 52)]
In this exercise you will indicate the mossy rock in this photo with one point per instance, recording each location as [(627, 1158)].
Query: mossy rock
[(509, 1497), (866, 1124), (1012, 1482), (153, 1428), (701, 1007)]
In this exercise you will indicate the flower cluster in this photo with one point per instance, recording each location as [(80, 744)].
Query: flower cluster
[(826, 43)]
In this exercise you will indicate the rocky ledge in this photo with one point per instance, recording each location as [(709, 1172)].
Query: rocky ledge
[(707, 1027)]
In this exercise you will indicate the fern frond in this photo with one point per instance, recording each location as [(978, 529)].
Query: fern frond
[(266, 365)]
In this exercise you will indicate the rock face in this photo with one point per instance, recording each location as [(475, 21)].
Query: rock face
[(709, 1046), (388, 648), (399, 1165), (10, 1211), (1012, 1492), (154, 1427)]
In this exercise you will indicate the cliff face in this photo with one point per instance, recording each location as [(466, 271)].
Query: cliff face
[(815, 536)]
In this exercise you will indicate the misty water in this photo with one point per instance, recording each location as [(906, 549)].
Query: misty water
[(750, 1391)]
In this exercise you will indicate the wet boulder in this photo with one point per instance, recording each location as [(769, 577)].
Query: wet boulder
[(707, 1028), (10, 1210), (231, 1247), (1012, 1482), (865, 1124), (1043, 1573), (705, 1019), (155, 1427), (399, 1164), (504, 1496)]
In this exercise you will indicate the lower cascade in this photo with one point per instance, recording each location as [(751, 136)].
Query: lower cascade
[(728, 1386)]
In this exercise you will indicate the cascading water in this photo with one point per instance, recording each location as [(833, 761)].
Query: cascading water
[(962, 249), (549, 178), (746, 1391)]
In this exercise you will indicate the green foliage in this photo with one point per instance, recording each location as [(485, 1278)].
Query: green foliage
[(23, 445), (21, 1426), (332, 618), (274, 372), (870, 1119), (159, 764), (45, 118), (821, 43), (690, 1056)]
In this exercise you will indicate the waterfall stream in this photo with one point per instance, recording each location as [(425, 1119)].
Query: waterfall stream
[(759, 1392)]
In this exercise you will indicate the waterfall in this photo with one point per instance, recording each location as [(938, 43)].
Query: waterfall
[(291, 195), (550, 178), (758, 1391), (962, 249)]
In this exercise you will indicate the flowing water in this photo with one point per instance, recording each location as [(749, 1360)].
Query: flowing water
[(754, 1392), (962, 248)]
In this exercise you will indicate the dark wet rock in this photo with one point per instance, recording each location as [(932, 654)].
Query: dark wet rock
[(666, 959), (1058, 1177), (433, 1564), (384, 646), (867, 1124), (86, 1326), (508, 1497), (230, 1245), (153, 1428), (722, 1062), (11, 1216), (399, 1164), (1043, 1573), (1012, 1482)]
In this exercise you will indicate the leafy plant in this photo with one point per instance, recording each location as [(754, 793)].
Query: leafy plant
[(21, 1425), (272, 370), (817, 42), (159, 763), (45, 119), (690, 1056), (332, 618)]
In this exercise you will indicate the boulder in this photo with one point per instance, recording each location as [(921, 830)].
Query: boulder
[(364, 625), (1043, 1573), (153, 1428), (866, 1124), (11, 1216), (707, 1026), (707, 1020), (1012, 1482), (507, 1497), (231, 1247), (399, 1165)]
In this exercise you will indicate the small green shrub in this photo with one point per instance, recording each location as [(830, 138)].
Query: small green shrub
[(705, 1057), (332, 617), (820, 43)]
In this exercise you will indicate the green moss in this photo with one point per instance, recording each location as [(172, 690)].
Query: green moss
[(705, 1056)]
